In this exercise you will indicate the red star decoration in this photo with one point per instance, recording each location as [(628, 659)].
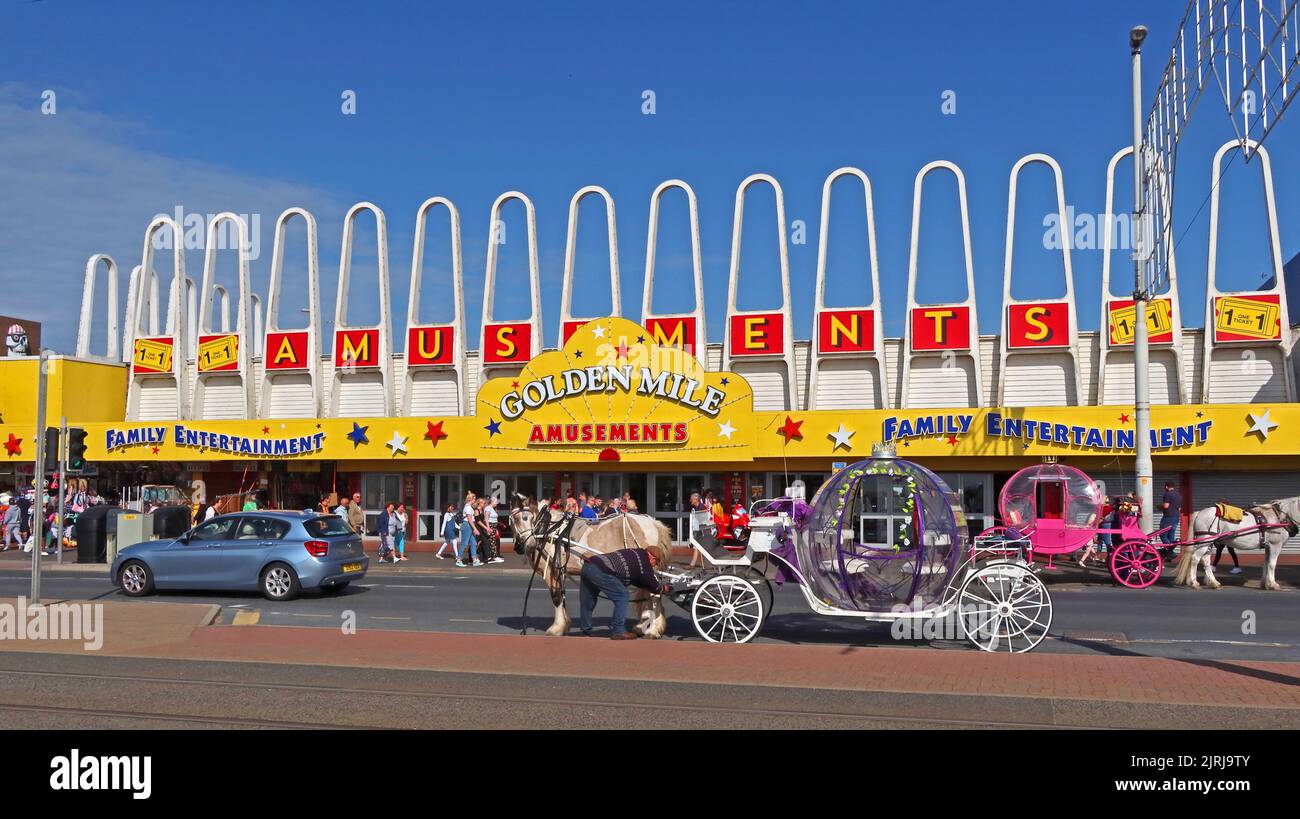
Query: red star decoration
[(622, 349), (435, 432), (514, 385), (14, 446), (266, 430), (952, 440), (1123, 418), (790, 429), (155, 450)]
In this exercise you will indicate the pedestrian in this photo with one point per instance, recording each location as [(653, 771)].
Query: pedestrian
[(385, 531), (250, 503), (481, 533), (631, 507), (468, 543), (492, 519), (215, 508), (324, 506), (1171, 508), (399, 533), (357, 515), (450, 533), (695, 504), (1218, 553), (612, 573), (1103, 537), (13, 525), (588, 510)]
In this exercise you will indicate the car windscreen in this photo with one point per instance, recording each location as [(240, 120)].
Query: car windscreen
[(330, 526)]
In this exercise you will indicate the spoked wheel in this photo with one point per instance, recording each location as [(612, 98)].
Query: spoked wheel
[(1136, 564), (756, 576), (727, 609), (1004, 607)]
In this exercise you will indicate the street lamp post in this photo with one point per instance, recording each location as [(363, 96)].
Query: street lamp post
[(1141, 349)]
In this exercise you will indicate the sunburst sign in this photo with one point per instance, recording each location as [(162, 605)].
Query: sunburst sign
[(613, 390)]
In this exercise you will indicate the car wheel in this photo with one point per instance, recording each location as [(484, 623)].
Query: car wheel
[(135, 578), (279, 582), (336, 588)]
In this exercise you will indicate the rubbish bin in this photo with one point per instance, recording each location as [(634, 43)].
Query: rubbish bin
[(91, 532)]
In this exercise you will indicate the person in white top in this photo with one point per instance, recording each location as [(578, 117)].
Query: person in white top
[(468, 542), (490, 517)]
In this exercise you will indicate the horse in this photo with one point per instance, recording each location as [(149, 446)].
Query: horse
[(1281, 519), (540, 534)]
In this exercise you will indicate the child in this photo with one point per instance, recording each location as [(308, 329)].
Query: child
[(450, 533)]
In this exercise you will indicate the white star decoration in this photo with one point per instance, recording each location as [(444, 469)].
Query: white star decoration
[(725, 429), (599, 332), (1261, 424), (397, 443), (842, 437)]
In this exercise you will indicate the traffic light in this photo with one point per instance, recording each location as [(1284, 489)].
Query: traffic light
[(51, 449), (76, 448)]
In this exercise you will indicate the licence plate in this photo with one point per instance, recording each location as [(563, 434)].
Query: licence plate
[(351, 567)]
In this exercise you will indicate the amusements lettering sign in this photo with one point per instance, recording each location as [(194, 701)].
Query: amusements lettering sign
[(507, 343), (152, 355), (757, 334), (681, 332), (428, 346), (1038, 325), (286, 351), (941, 327), (218, 353), (1248, 317), (356, 348), (846, 331), (1122, 327)]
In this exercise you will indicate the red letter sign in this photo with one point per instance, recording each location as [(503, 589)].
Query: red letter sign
[(941, 327), (507, 343), (429, 345), (356, 348), (1039, 325), (678, 331), (846, 331), (286, 351), (758, 334)]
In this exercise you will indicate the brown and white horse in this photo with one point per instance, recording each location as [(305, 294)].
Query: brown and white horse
[(539, 533), (1281, 519)]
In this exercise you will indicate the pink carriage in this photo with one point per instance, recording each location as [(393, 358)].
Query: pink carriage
[(1055, 509)]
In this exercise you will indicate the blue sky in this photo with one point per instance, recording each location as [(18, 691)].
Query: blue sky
[(161, 105)]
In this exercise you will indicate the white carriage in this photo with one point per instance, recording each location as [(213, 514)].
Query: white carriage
[(883, 540)]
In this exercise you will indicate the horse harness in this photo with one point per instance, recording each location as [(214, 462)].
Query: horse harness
[(1270, 516)]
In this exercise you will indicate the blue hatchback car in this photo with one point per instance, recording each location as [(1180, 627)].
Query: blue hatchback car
[(276, 553)]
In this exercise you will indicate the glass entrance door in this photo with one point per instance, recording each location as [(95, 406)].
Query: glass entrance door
[(670, 501), (976, 491), (378, 489)]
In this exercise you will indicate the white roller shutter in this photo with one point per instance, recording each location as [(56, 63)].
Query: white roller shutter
[(1245, 489)]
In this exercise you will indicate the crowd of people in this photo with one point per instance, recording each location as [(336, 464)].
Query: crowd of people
[(19, 506)]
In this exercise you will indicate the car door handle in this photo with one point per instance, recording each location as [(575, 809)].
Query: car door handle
[(213, 546)]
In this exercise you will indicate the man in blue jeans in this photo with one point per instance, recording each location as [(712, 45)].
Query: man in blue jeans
[(1171, 508), (612, 573)]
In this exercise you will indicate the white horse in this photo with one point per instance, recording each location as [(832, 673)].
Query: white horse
[(1284, 515), (538, 535)]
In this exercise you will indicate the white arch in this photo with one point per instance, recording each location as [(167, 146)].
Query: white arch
[(696, 314), (421, 385), (490, 277), (357, 392), (284, 391), (570, 254), (849, 386), (1071, 348), (1174, 351), (213, 389), (167, 396), (1239, 373), (110, 308), (964, 386), (758, 369)]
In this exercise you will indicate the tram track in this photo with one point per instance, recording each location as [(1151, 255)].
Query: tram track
[(437, 702)]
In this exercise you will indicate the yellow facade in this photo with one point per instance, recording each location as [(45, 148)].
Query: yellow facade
[(613, 398)]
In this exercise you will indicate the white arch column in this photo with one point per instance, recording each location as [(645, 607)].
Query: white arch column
[(1040, 346), (111, 350), (847, 361), (291, 357), (362, 382), (505, 347), (436, 366), (941, 345), (157, 390), (1247, 332), (760, 343), (568, 322), (686, 331), (1115, 377), (223, 376)]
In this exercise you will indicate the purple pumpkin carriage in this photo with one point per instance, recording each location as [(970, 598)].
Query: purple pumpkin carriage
[(882, 540)]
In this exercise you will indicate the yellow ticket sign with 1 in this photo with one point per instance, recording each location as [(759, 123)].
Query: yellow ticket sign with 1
[(152, 355), (218, 353), (1160, 321), (1252, 317)]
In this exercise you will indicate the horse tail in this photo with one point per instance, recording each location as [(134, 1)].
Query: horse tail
[(1185, 566)]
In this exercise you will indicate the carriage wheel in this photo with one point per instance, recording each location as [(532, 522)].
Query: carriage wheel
[(1004, 607), (727, 609), (1136, 564), (758, 577)]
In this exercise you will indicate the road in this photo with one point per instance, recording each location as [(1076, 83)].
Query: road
[(1158, 622)]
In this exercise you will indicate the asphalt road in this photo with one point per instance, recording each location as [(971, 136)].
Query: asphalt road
[(1161, 621)]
